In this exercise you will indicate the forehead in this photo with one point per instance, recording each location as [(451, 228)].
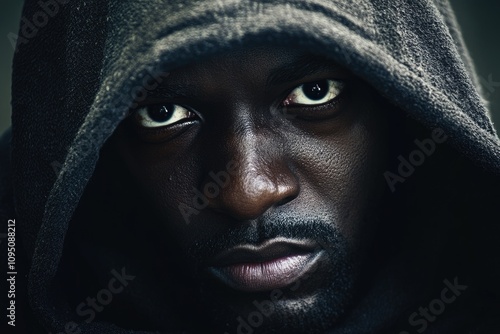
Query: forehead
[(256, 60), (264, 56), (264, 66)]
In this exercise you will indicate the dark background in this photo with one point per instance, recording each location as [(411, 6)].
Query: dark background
[(479, 20)]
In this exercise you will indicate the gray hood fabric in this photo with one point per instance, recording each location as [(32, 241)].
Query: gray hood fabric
[(77, 76)]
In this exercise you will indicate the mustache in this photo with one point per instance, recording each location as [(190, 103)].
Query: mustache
[(321, 230)]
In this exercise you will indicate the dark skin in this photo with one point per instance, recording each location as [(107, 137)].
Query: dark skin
[(300, 168)]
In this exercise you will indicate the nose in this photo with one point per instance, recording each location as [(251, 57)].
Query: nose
[(258, 177)]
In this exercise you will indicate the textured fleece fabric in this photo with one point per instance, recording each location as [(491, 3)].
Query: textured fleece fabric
[(74, 80)]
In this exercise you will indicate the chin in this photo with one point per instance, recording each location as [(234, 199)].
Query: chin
[(311, 304), (313, 314), (291, 276)]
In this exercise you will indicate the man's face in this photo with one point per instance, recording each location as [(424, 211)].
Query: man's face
[(263, 165)]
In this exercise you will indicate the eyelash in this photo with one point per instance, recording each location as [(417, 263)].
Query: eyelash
[(306, 111), (328, 92), (333, 104)]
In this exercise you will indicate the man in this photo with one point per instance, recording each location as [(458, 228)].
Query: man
[(253, 167)]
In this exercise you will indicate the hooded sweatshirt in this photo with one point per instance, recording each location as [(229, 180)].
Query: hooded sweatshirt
[(75, 77)]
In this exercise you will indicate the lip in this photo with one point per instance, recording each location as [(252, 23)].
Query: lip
[(274, 264)]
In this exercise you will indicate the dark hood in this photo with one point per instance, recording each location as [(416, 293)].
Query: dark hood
[(75, 77)]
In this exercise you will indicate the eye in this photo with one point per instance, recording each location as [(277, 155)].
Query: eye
[(314, 93), (159, 115)]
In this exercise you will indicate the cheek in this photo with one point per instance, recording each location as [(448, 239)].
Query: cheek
[(342, 172), (165, 178)]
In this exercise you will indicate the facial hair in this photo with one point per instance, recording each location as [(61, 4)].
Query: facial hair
[(311, 304)]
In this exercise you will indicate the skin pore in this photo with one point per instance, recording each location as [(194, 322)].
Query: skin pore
[(301, 145)]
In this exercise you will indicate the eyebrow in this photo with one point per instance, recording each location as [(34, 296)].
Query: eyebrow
[(304, 66), (167, 90), (294, 71)]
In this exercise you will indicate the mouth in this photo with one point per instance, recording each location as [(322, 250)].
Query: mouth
[(274, 264)]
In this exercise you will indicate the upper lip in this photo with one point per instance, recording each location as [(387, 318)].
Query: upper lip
[(267, 251)]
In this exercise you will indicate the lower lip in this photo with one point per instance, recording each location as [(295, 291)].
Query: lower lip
[(265, 276)]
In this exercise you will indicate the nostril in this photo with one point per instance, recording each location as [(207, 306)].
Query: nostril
[(285, 200), (253, 188)]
